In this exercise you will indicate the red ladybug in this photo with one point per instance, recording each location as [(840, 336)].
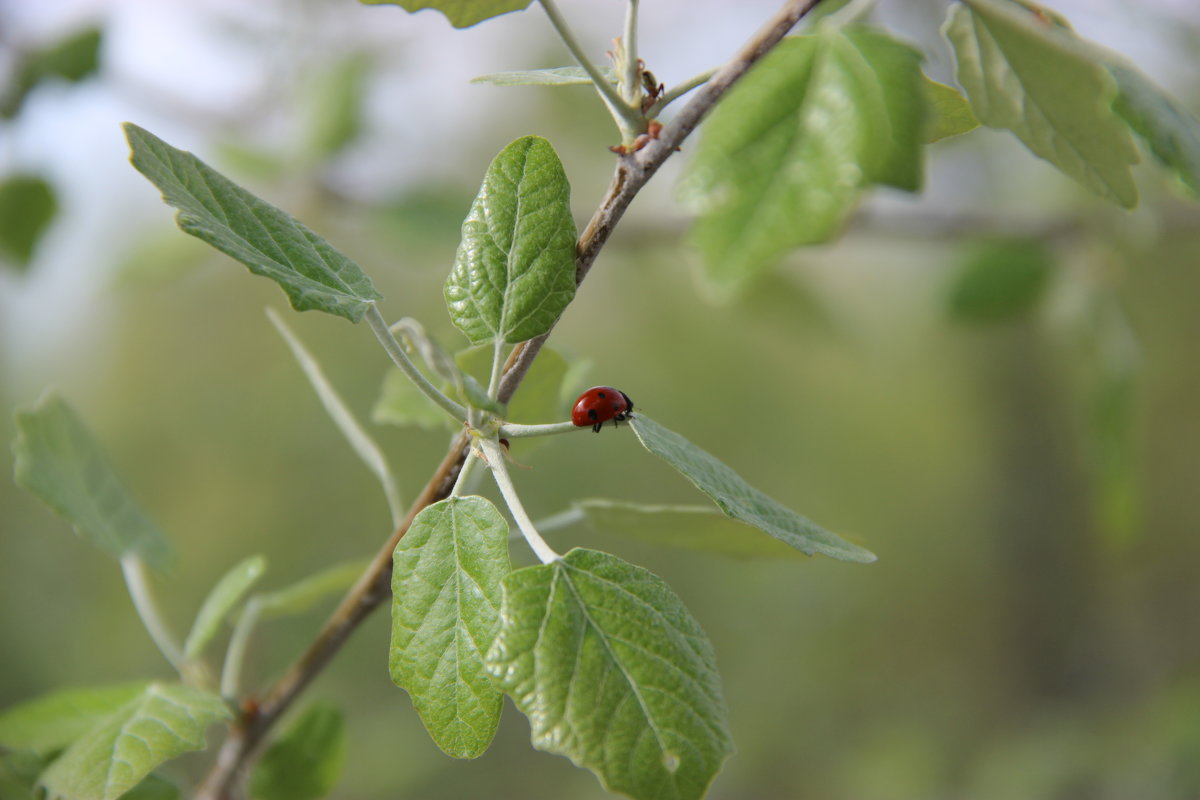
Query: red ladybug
[(598, 405)]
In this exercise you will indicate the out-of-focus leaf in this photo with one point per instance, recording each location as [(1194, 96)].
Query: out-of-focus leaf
[(1024, 73), (51, 722), (400, 402), (1171, 132), (556, 76), (786, 153), (514, 272), (538, 399), (949, 112), (58, 460), (445, 606), (72, 59), (19, 770), (223, 598), (153, 788), (337, 105), (461, 13), (269, 242), (614, 673), (1000, 280), (28, 204), (303, 763), (301, 596), (165, 721), (739, 499)]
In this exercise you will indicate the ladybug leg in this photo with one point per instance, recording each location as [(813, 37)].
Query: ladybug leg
[(596, 428)]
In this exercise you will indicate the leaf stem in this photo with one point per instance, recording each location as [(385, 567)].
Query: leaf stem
[(384, 334), (675, 92), (495, 459), (513, 430), (632, 84), (628, 119), (497, 368), (134, 570), (235, 653), (848, 14), (465, 475)]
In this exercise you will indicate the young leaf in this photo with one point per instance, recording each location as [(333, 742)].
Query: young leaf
[(948, 112), (304, 594), (51, 722), (614, 673), (739, 499), (701, 528), (786, 153), (28, 204), (461, 13), (1035, 78), (556, 76), (538, 401), (445, 601), (305, 762), (223, 598), (165, 721), (1172, 133), (514, 272), (269, 242), (1001, 280), (58, 460)]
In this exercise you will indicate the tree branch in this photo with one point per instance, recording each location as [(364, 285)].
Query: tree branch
[(372, 589)]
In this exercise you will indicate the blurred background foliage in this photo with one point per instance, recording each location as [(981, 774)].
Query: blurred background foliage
[(992, 385)]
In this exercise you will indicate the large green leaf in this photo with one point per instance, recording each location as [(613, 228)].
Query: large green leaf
[(268, 241), (461, 13), (223, 598), (515, 268), (614, 673), (58, 460), (165, 721), (445, 603), (786, 153), (1170, 130), (51, 722), (303, 763), (28, 204), (739, 499), (1023, 73)]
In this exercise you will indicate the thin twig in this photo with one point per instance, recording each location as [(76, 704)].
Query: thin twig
[(372, 589)]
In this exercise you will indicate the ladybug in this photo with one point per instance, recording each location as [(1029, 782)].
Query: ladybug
[(598, 405)]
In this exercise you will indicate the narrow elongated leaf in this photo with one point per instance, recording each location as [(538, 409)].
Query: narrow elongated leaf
[(1026, 74), (445, 603), (28, 204), (301, 596), (515, 268), (786, 153), (556, 76), (165, 721), (58, 460), (614, 673), (51, 722), (303, 763), (739, 499), (1170, 130), (948, 112), (461, 13), (223, 598), (268, 241)]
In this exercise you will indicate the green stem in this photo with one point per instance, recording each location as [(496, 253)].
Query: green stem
[(465, 474), (491, 449), (512, 430), (675, 92), (235, 654), (384, 334), (628, 119), (497, 368), (632, 82), (134, 570)]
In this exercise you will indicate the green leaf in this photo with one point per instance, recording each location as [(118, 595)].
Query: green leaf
[(1172, 133), (739, 499), (614, 673), (19, 771), (301, 596), (702, 528), (269, 242), (514, 272), (338, 92), (1001, 280), (949, 113), (556, 76), (539, 398), (223, 598), (400, 402), (153, 788), (58, 460), (786, 153), (28, 204), (445, 599), (304, 763), (1024, 73), (51, 722), (165, 721), (461, 13), (72, 59)]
